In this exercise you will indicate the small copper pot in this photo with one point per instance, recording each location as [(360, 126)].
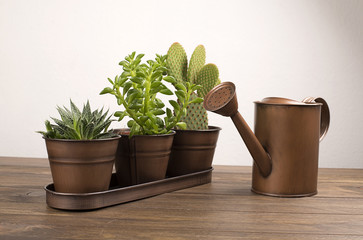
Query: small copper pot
[(192, 151), (81, 166), (142, 158)]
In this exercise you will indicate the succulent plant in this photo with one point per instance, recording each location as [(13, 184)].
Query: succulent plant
[(136, 90), (79, 125), (205, 75)]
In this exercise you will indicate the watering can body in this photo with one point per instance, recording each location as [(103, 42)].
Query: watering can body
[(285, 144), (290, 133)]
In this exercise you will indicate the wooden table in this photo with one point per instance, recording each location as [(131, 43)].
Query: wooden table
[(223, 209)]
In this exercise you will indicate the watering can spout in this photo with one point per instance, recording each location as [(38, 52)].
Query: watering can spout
[(222, 100)]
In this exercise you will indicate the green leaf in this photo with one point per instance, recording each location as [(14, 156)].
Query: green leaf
[(123, 63), (126, 87), (166, 91), (135, 106), (158, 103), (151, 117), (196, 87), (140, 74), (181, 87), (196, 100), (137, 80), (181, 95), (170, 79), (130, 123), (155, 75), (174, 104), (133, 93), (158, 112), (169, 114), (119, 113), (143, 118), (155, 84), (139, 56), (75, 110), (182, 125), (48, 126)]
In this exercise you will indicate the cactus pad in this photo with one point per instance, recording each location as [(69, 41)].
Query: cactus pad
[(177, 62), (196, 63), (207, 77), (198, 73), (196, 118)]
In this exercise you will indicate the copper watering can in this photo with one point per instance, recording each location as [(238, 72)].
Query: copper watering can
[(285, 145)]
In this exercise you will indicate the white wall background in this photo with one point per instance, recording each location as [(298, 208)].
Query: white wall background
[(51, 51)]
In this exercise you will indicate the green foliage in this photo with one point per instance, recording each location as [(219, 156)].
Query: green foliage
[(79, 125), (207, 76), (136, 90)]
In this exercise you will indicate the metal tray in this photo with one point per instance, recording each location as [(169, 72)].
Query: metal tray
[(117, 195)]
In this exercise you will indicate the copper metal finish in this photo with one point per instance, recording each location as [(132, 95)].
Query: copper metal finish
[(117, 195), (288, 132), (325, 114), (143, 158), (81, 166), (192, 151), (222, 99)]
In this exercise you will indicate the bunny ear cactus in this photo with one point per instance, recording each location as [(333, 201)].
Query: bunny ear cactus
[(207, 76), (177, 62), (197, 61)]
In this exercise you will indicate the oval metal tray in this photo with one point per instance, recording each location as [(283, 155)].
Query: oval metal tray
[(117, 195)]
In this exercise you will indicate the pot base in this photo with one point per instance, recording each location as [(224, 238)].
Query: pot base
[(285, 195)]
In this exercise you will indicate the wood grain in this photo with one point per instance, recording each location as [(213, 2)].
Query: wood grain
[(224, 209)]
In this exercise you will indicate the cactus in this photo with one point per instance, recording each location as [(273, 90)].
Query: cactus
[(207, 77), (177, 62), (197, 72)]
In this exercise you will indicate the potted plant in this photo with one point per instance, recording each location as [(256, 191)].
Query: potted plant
[(145, 147), (81, 149), (193, 147)]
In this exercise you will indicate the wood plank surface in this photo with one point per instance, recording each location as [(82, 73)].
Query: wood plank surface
[(223, 209)]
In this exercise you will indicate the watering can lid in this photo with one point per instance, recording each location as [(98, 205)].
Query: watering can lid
[(286, 101)]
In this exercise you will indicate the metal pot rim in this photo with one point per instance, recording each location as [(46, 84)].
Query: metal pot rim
[(78, 141)]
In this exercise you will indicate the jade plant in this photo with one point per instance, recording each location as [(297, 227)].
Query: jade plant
[(205, 75), (79, 125), (136, 89)]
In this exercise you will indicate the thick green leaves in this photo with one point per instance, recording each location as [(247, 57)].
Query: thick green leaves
[(174, 104), (196, 100), (79, 125), (106, 90), (182, 125), (137, 89)]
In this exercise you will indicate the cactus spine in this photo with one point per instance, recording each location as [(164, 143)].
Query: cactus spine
[(197, 72)]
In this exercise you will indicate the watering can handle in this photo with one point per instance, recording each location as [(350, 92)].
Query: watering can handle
[(325, 114)]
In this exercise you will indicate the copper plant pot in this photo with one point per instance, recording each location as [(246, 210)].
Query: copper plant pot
[(192, 151), (142, 158), (81, 166)]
